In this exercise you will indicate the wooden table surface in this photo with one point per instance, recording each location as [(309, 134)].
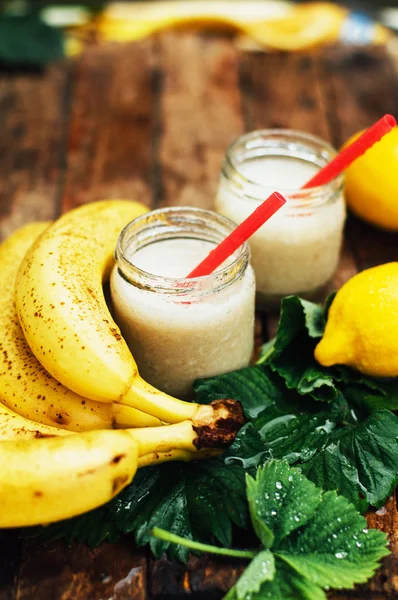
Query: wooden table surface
[(152, 121)]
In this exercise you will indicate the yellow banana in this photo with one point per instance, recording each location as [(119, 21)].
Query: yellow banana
[(25, 386), (13, 427), (66, 321), (52, 478), (46, 480)]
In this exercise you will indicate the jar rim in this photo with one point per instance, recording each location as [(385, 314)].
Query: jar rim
[(311, 195), (170, 219)]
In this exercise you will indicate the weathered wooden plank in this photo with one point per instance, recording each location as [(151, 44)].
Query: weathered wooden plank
[(204, 577), (386, 519), (200, 114), (33, 114), (372, 246), (168, 578), (110, 129), (284, 90), (362, 86), (109, 572), (211, 575)]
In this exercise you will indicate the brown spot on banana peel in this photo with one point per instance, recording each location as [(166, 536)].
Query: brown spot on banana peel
[(116, 459), (118, 484), (218, 429), (39, 435)]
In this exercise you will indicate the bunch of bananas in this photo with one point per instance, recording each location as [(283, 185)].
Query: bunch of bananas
[(76, 419)]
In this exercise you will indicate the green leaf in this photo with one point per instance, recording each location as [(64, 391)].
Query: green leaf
[(248, 449), (335, 549), (300, 371), (260, 526), (292, 357), (300, 327), (261, 569), (253, 387), (28, 40), (362, 398), (369, 392), (295, 436), (282, 499), (298, 316), (216, 499), (361, 463), (287, 584)]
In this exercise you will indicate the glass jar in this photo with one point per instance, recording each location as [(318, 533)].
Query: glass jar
[(297, 250), (181, 329)]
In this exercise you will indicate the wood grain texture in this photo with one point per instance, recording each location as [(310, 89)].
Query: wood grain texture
[(109, 152), (33, 115), (109, 572), (201, 114), (360, 85), (284, 90)]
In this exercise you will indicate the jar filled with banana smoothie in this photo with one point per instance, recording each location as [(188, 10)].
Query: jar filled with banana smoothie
[(297, 251), (180, 329)]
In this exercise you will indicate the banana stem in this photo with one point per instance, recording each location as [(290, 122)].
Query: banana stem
[(214, 426), (148, 399), (180, 436), (210, 426), (126, 416), (219, 419)]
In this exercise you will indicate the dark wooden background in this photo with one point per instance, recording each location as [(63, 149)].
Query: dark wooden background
[(152, 121)]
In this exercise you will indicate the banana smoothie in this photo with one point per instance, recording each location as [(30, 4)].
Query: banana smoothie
[(181, 329), (297, 251)]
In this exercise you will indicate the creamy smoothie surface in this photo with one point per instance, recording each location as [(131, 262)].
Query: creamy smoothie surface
[(172, 258), (177, 339), (279, 172)]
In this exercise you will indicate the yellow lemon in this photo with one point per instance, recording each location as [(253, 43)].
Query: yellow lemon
[(371, 183), (362, 327)]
